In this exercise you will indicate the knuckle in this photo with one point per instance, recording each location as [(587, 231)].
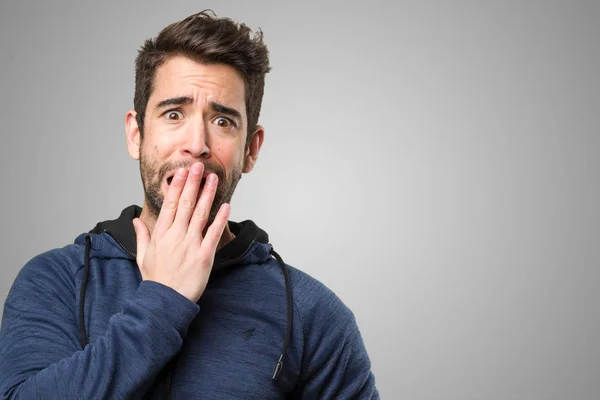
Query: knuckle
[(170, 204), (187, 204), (202, 214)]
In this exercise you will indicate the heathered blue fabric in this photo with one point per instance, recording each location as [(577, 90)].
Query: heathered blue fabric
[(224, 347)]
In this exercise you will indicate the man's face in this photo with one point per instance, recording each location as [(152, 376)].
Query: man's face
[(196, 112)]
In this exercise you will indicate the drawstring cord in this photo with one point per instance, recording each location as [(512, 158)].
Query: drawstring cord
[(86, 273), (288, 328)]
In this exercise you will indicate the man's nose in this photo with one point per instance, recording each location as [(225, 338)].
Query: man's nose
[(196, 140)]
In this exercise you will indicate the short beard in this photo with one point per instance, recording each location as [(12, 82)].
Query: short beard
[(154, 199)]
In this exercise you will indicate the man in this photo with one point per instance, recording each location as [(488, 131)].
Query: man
[(172, 299)]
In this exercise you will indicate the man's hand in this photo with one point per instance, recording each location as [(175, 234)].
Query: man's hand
[(176, 254)]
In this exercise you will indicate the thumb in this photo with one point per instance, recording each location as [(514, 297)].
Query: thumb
[(142, 237)]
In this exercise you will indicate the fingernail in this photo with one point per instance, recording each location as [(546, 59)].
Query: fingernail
[(196, 168)]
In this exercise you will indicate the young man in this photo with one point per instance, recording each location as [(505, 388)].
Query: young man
[(172, 299)]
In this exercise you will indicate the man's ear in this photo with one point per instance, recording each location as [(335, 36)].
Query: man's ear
[(132, 132), (253, 149)]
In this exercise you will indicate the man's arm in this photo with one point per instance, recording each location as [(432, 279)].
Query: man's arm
[(335, 360), (40, 354)]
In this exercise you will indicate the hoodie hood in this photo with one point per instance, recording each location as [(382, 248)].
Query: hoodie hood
[(250, 244)]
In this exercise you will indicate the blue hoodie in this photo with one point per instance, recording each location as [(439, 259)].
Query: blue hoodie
[(79, 323)]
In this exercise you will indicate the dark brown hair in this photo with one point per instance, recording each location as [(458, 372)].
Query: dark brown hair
[(207, 39)]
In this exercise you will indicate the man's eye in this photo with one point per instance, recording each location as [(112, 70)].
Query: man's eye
[(174, 115), (223, 122)]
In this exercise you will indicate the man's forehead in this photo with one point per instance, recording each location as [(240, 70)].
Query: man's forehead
[(181, 76)]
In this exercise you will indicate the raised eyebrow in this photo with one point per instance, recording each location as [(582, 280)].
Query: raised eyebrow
[(220, 108), (174, 101)]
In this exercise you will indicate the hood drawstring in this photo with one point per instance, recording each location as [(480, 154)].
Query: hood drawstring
[(288, 291), (86, 273), (288, 328)]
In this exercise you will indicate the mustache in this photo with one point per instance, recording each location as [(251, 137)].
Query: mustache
[(165, 168)]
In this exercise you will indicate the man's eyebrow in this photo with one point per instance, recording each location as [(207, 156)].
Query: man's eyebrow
[(175, 101), (220, 108), (217, 107)]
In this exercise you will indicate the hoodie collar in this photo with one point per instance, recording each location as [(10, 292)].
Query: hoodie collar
[(247, 233)]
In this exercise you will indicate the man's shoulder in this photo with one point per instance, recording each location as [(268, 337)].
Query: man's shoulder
[(70, 258), (312, 298), (316, 302), (309, 289), (65, 260)]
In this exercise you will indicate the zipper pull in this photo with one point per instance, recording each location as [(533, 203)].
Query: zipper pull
[(278, 367)]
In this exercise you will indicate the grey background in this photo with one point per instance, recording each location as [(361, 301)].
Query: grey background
[(436, 165)]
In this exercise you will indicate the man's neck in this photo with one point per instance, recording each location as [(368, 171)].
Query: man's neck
[(150, 221)]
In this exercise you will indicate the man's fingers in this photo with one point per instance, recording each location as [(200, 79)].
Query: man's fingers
[(215, 230), (142, 237), (189, 197), (170, 204), (204, 205)]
